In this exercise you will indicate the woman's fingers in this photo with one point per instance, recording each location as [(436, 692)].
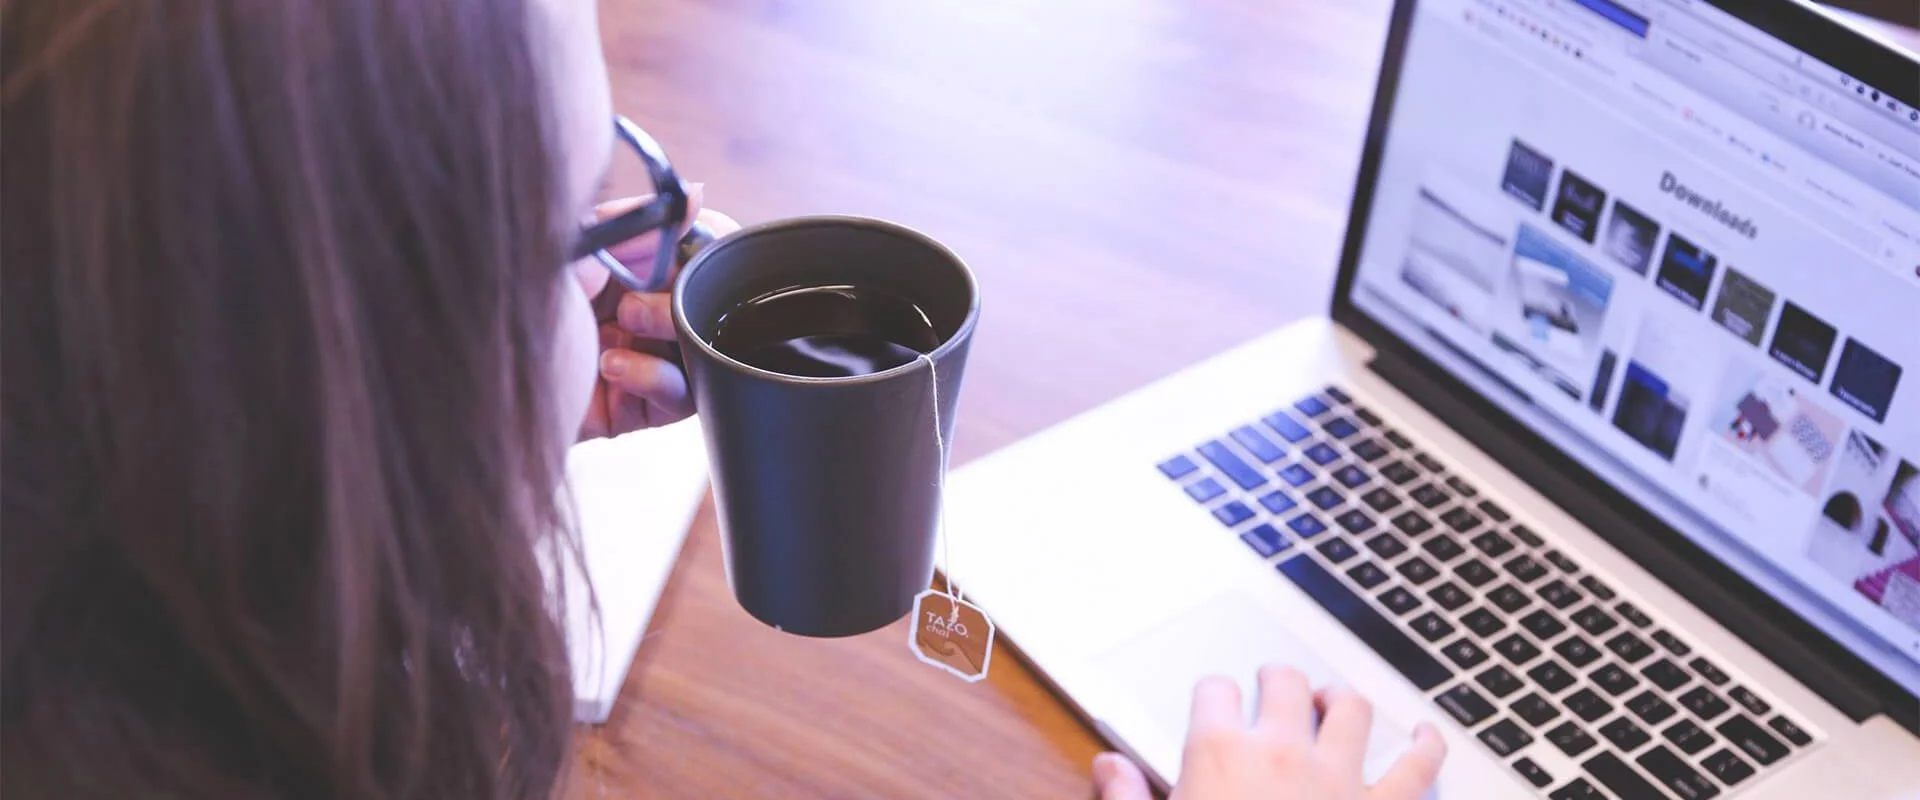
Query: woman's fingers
[(648, 316), (1216, 705), (1286, 704), (655, 389), (1346, 718), (1417, 768), (1118, 779)]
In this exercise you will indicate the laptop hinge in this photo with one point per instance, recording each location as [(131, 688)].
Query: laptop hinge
[(1826, 668)]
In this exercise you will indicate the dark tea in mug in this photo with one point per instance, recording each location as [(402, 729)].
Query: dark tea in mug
[(826, 331)]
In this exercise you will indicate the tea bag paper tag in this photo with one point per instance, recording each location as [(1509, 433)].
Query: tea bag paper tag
[(953, 635)]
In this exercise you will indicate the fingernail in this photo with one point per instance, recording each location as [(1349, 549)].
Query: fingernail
[(612, 364), (1106, 767)]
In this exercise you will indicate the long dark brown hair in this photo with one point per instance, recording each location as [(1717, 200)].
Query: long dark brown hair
[(279, 469)]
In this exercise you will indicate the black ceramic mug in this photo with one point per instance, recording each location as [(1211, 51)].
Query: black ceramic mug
[(827, 488)]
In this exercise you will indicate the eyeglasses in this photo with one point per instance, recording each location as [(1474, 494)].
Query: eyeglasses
[(666, 212)]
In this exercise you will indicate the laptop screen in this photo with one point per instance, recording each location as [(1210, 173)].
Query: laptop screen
[(1689, 256)]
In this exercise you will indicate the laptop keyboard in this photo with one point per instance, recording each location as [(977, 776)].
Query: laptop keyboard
[(1578, 689)]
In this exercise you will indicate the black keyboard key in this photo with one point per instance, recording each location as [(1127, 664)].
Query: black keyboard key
[(1354, 520), (1729, 768), (1449, 596), (1624, 734), (1232, 513), (1516, 649), (1632, 613), (1399, 440), (1337, 395), (1366, 416), (1495, 512), (1558, 594), (1232, 465), (1505, 738), (1464, 653), (1630, 648), (1690, 738), (1666, 675), (1558, 559), (1677, 775), (1594, 620), (1311, 406), (1498, 681), (1431, 626), (1577, 651), (1708, 671), (1399, 473), (1600, 591), (1579, 789), (1381, 499), (1465, 704), (1650, 708), (1321, 454), (1444, 548), (1296, 475), (1326, 497), (1752, 739), (1790, 731), (1285, 425), (1704, 703), (1509, 598), (1618, 776), (1277, 502), (1367, 575), (1672, 643), (1534, 773), (1526, 534), (1536, 710), (1339, 427), (1368, 450), (1482, 622), (1571, 738), (1428, 495), (1614, 680), (1588, 705), (1475, 572), (1386, 545), (1417, 571), (1524, 569), (1429, 462), (1399, 601), (1265, 540), (1178, 467), (1412, 523), (1549, 675), (1749, 701), (1461, 520), (1542, 625), (1259, 445), (1460, 486), (1407, 656), (1351, 476), (1307, 526), (1493, 544), (1337, 550), (1205, 489)]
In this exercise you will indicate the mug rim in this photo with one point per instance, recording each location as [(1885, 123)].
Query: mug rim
[(686, 333)]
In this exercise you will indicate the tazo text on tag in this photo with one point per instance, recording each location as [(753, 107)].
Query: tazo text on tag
[(960, 643)]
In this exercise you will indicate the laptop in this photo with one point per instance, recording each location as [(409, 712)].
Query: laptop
[(1605, 458)]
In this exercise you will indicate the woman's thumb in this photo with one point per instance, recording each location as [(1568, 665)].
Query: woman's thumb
[(1118, 779)]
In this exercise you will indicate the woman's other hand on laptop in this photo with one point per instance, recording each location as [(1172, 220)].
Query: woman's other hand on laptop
[(1281, 754)]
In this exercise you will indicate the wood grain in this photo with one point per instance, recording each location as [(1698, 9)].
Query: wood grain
[(1113, 170), (1137, 183)]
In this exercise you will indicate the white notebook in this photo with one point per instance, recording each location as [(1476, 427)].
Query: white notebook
[(636, 496)]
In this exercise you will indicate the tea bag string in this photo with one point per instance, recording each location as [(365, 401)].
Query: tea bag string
[(940, 488)]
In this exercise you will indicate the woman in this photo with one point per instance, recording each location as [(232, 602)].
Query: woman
[(294, 347)]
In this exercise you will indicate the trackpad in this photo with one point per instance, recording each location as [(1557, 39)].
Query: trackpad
[(1231, 635)]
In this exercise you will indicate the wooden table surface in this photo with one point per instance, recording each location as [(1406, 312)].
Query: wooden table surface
[(1138, 184)]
